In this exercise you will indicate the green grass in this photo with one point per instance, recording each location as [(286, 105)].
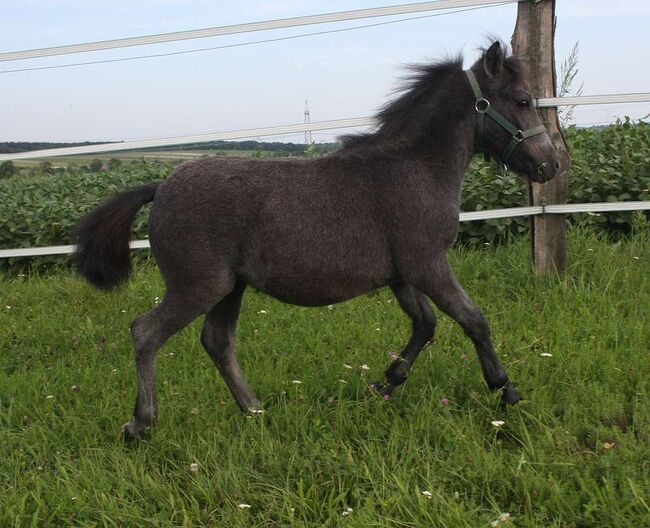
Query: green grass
[(323, 446)]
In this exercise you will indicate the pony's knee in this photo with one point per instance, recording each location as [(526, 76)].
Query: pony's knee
[(144, 334), (428, 325), (475, 325), (214, 340)]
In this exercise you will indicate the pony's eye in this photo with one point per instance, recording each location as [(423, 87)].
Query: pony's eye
[(523, 103)]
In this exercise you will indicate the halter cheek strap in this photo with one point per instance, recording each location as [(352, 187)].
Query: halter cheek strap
[(483, 108)]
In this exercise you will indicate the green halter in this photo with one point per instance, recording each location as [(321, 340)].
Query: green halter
[(483, 108)]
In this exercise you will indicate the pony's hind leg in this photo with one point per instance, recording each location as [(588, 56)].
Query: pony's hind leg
[(149, 332), (416, 305), (448, 295), (218, 339)]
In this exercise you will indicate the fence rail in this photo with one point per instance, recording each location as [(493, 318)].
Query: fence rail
[(510, 212), (249, 27), (288, 129)]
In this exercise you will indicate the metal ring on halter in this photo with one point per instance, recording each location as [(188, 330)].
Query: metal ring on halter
[(519, 136), (485, 109)]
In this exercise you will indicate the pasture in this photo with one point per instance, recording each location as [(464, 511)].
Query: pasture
[(327, 453)]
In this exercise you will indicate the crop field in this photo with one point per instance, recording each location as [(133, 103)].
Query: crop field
[(134, 155), (326, 452)]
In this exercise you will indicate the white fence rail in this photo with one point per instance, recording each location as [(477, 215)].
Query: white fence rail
[(288, 129), (464, 217), (340, 16)]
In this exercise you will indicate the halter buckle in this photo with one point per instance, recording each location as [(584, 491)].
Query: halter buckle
[(482, 105)]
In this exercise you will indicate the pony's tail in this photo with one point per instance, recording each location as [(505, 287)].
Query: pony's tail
[(102, 254)]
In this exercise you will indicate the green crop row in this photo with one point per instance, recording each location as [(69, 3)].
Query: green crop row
[(608, 165), (611, 164)]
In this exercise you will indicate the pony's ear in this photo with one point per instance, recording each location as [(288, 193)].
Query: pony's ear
[(493, 59)]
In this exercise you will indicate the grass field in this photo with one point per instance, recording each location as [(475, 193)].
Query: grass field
[(325, 453)]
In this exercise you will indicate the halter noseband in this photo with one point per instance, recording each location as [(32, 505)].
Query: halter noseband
[(483, 108)]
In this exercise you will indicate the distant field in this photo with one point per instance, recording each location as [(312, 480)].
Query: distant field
[(167, 155), (326, 453)]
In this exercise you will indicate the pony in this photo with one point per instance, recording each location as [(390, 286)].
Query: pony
[(383, 210)]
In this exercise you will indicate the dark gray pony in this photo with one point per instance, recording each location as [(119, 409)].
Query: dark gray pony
[(381, 211)]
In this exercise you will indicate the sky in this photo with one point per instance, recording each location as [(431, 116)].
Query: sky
[(342, 75)]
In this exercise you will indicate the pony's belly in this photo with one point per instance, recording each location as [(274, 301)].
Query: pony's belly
[(316, 289)]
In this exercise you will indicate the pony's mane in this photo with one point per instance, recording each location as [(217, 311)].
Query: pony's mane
[(420, 83), (418, 87)]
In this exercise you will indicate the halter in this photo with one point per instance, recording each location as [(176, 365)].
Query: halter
[(482, 106)]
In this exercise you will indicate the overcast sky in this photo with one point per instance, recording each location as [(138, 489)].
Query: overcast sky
[(346, 74)]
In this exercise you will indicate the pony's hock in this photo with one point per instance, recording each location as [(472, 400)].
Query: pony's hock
[(381, 211)]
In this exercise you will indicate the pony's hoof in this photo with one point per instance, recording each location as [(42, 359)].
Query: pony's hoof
[(381, 389), (510, 396), (254, 410), (132, 431)]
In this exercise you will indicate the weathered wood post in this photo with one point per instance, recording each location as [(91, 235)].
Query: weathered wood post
[(534, 41)]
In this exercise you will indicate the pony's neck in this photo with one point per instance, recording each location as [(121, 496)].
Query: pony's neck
[(437, 125)]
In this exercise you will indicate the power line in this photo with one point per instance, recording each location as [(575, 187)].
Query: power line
[(246, 28), (250, 43)]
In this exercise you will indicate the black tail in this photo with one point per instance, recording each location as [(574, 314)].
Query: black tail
[(102, 254)]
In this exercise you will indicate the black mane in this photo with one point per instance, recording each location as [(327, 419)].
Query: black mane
[(417, 103), (418, 87)]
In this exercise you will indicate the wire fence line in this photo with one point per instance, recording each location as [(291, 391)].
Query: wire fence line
[(246, 43), (289, 129), (249, 27), (510, 212)]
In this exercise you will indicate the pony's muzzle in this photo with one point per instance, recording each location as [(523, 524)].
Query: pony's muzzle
[(548, 171)]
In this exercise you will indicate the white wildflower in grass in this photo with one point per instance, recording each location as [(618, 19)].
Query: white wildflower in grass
[(346, 512), (114, 371), (263, 312), (342, 381), (498, 423), (244, 506), (378, 329), (297, 382), (636, 258), (194, 467), (123, 311), (364, 368), (345, 365), (49, 397), (330, 307), (546, 354), (504, 517), (609, 445), (8, 307), (590, 250), (427, 494)]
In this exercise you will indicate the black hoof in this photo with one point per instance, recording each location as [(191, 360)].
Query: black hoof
[(382, 389), (132, 431), (510, 396)]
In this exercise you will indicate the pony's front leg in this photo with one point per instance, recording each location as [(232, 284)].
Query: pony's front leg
[(416, 305), (441, 285)]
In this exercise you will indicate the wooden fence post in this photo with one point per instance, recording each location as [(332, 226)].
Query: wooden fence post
[(534, 41)]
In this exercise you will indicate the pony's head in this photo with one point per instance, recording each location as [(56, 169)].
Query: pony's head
[(508, 127)]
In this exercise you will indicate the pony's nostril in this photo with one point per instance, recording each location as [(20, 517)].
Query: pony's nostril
[(556, 165)]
